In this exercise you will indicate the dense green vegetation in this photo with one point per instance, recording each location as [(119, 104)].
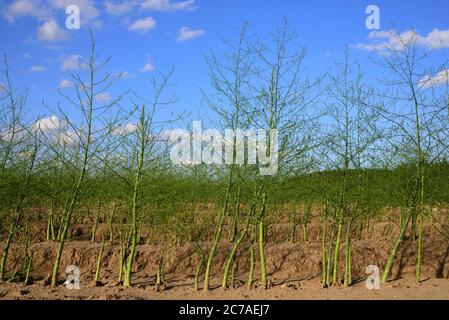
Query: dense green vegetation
[(381, 188)]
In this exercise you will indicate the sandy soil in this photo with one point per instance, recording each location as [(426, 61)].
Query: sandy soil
[(294, 269), (405, 288)]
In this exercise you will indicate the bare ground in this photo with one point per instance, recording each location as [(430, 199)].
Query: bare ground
[(294, 270), (286, 290)]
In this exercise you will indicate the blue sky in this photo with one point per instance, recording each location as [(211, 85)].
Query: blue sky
[(144, 37)]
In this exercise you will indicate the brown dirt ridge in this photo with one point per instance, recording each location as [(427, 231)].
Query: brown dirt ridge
[(294, 271)]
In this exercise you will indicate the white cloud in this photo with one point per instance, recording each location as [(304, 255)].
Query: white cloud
[(185, 33), (50, 9), (50, 32), (439, 79), (143, 25), (148, 67), (126, 74), (164, 135), (383, 40), (48, 124), (436, 39), (8, 135), (68, 137), (119, 8), (103, 97), (125, 129), (5, 135), (26, 55), (64, 83), (37, 69), (71, 63), (23, 8), (167, 5)]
